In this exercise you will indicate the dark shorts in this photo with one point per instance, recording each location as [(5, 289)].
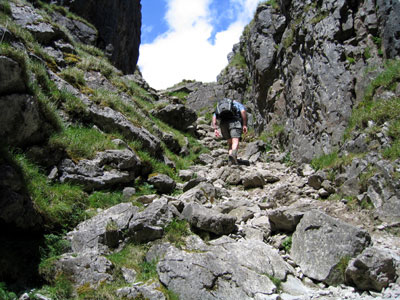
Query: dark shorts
[(231, 129)]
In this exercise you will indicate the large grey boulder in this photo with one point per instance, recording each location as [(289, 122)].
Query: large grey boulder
[(285, 219), (208, 219), (374, 269), (254, 150), (321, 244), (202, 193), (177, 115), (253, 180), (223, 269), (203, 96)]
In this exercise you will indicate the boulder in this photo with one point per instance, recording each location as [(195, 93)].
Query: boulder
[(230, 175), (253, 180), (285, 219), (186, 175), (149, 224), (205, 159), (193, 182), (28, 18), (373, 269), (202, 193), (222, 269), (87, 268), (254, 150), (79, 30), (177, 115), (322, 244), (162, 183), (203, 96), (102, 231), (208, 219), (171, 142)]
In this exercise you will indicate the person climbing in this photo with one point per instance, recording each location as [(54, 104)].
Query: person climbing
[(232, 117)]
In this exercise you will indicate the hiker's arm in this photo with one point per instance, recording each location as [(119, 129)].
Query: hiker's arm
[(244, 120), (214, 125)]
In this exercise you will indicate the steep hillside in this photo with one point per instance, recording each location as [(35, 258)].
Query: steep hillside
[(75, 131)]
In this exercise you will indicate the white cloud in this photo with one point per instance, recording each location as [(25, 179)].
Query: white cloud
[(185, 51)]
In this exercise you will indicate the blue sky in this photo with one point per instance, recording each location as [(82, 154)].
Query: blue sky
[(189, 39)]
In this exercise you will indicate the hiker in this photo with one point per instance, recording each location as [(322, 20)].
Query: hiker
[(232, 118)]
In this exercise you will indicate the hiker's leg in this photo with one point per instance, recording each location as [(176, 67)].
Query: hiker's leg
[(235, 144), (230, 144), (235, 147)]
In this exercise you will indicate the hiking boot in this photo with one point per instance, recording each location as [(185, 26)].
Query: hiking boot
[(232, 160), (234, 157)]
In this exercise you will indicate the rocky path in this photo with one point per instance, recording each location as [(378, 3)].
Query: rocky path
[(261, 232)]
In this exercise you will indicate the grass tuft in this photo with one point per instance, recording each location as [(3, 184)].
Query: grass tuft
[(82, 142), (176, 232)]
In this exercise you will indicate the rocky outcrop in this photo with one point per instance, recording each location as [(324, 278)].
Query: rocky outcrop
[(122, 167), (41, 29), (304, 62)]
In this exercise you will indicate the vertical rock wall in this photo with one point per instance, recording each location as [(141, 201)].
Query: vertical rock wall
[(307, 65), (119, 24)]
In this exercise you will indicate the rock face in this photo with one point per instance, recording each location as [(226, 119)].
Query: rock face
[(119, 26), (303, 66)]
